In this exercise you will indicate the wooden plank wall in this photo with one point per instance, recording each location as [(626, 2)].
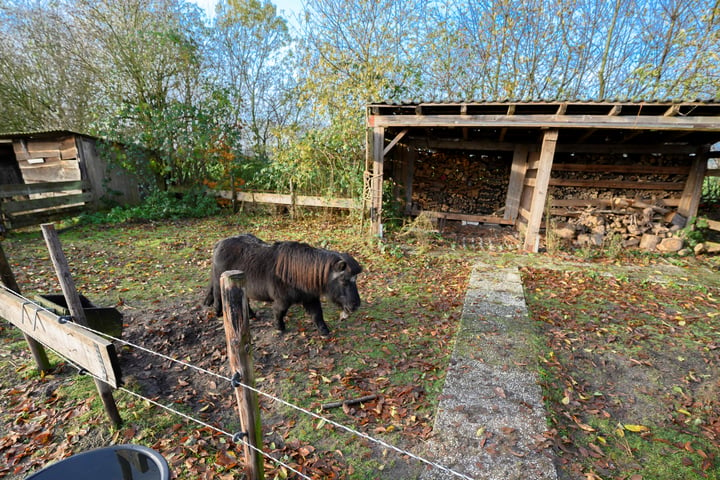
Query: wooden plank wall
[(62, 175), (48, 160), (106, 180)]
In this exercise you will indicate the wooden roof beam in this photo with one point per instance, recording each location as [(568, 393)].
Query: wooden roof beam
[(636, 122), (576, 147)]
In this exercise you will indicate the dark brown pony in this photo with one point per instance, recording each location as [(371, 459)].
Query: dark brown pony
[(287, 273)]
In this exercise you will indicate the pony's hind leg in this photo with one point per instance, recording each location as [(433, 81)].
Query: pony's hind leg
[(279, 311)]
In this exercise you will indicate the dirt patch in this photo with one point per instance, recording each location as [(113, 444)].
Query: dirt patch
[(289, 366), (192, 334)]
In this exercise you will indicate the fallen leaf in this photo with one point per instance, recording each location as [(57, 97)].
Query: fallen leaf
[(226, 459), (635, 428)]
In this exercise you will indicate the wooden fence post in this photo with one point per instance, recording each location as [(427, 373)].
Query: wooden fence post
[(8, 279), (75, 306), (237, 333)]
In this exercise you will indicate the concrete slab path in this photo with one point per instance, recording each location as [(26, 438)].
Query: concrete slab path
[(491, 418)]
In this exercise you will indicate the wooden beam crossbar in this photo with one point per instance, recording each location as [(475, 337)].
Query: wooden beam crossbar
[(46, 202), (577, 147), (7, 191), (287, 199), (394, 141), (492, 219), (91, 352), (625, 184)]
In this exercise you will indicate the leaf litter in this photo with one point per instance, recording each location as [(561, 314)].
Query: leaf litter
[(637, 364), (396, 347), (626, 361)]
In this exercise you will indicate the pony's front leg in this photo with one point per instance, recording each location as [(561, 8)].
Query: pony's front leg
[(314, 309)]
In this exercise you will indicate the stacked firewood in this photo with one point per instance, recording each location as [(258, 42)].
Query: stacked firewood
[(634, 223), (636, 217), (473, 184)]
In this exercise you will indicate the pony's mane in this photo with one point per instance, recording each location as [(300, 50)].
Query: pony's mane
[(302, 266)]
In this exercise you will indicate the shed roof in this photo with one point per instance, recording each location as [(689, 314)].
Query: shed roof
[(662, 123), (39, 134)]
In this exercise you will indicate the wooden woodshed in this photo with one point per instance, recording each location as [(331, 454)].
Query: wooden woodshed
[(50, 174), (501, 162)]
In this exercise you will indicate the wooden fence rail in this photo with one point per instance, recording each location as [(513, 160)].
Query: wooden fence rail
[(91, 352), (290, 199), (22, 205)]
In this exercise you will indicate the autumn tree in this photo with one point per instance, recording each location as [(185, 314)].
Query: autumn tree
[(128, 70), (677, 49), (247, 56), (148, 57), (41, 86), (558, 49), (348, 54)]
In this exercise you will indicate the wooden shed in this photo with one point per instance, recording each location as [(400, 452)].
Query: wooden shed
[(497, 162), (51, 174)]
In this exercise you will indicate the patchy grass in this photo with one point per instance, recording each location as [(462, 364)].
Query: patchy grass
[(630, 373), (629, 369), (397, 346)]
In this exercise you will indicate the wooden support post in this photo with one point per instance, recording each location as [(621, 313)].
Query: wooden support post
[(515, 185), (692, 192), (547, 153), (236, 320), (376, 182), (409, 154), (62, 270), (8, 279), (365, 193)]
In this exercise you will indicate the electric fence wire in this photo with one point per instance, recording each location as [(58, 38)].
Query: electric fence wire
[(275, 399), (234, 437)]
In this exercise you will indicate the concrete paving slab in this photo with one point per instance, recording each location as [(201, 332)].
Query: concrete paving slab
[(490, 422)]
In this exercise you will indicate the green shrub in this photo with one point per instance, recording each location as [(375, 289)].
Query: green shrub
[(695, 232), (711, 190), (159, 205)]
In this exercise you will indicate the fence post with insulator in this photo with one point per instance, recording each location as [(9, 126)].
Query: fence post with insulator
[(239, 344)]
